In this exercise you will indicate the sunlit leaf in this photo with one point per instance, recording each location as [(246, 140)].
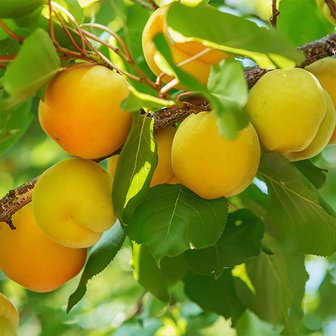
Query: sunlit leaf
[(296, 216), (171, 219), (310, 27), (279, 282), (137, 100), (228, 33), (36, 63), (136, 165), (99, 258), (239, 241), (153, 278), (213, 295), (227, 92)]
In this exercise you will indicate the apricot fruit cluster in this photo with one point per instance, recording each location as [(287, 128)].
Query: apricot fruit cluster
[(292, 113), (9, 317)]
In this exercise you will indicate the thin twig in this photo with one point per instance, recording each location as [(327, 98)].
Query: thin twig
[(128, 56), (168, 86), (332, 7), (73, 20), (105, 43), (6, 58), (68, 32), (10, 33), (275, 14), (151, 5)]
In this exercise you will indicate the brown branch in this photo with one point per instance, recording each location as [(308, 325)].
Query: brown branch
[(14, 200), (173, 114), (332, 7), (275, 14), (313, 51)]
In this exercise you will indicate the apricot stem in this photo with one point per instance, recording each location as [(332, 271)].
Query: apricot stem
[(126, 54), (73, 20), (10, 33), (275, 14)]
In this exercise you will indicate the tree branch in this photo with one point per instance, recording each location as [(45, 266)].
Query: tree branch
[(275, 14), (14, 201), (313, 51)]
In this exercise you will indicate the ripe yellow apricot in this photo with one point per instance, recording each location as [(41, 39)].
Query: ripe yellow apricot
[(287, 107), (30, 258), (72, 202), (163, 171), (209, 164), (9, 317), (81, 111), (325, 71), (322, 137), (181, 52)]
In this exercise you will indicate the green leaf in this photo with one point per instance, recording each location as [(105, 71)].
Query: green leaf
[(317, 176), (296, 216), (213, 295), (135, 168), (13, 124), (249, 324), (279, 282), (239, 241), (172, 219), (9, 46), (138, 328), (154, 279), (36, 63), (227, 92), (228, 33), (137, 100), (17, 8), (311, 26), (99, 258), (254, 199)]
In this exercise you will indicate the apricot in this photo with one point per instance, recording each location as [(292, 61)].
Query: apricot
[(210, 165), (9, 317), (181, 51), (72, 202), (325, 71), (163, 171), (30, 258), (81, 111), (322, 137), (287, 108)]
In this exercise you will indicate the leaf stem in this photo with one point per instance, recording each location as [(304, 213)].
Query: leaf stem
[(10, 33)]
